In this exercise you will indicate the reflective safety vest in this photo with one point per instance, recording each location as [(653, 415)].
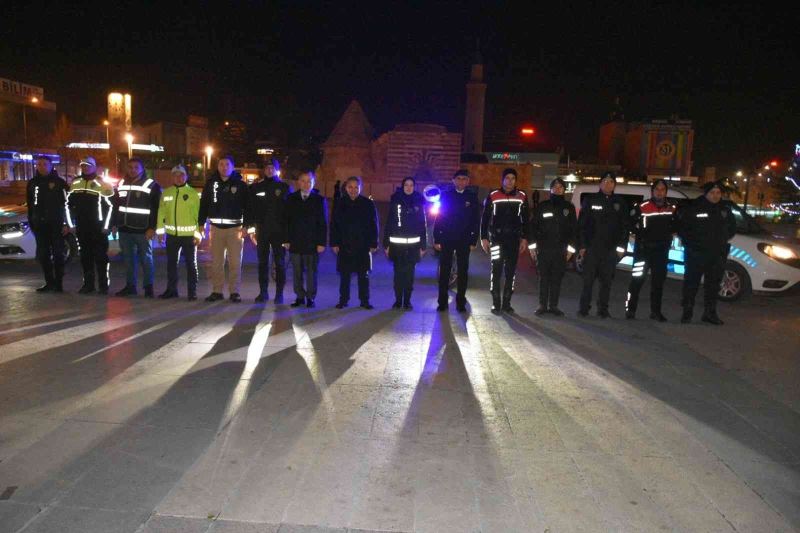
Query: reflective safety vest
[(136, 204), (89, 203), (178, 211)]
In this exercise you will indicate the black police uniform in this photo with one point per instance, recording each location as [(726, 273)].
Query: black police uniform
[(552, 235), (456, 229), (267, 217), (47, 197), (504, 223), (354, 230), (653, 224), (89, 211), (405, 235), (602, 231), (704, 229)]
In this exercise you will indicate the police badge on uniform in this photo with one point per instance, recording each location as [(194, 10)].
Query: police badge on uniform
[(466, 204), (137, 194), (277, 192), (185, 197), (233, 190), (616, 207), (416, 208), (724, 213), (633, 212), (51, 185)]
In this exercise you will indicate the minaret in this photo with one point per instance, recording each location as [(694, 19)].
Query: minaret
[(473, 115)]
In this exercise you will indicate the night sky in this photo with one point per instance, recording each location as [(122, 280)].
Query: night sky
[(290, 70)]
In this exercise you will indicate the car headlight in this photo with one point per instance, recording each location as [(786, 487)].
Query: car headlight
[(780, 253)]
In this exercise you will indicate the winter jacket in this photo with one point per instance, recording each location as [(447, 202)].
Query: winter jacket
[(705, 227), (46, 199), (554, 225), (458, 220), (266, 208), (178, 211), (307, 222), (505, 216), (603, 223), (405, 227), (89, 205), (652, 224), (354, 230), (224, 202)]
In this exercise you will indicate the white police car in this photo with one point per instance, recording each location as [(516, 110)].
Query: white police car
[(758, 261)]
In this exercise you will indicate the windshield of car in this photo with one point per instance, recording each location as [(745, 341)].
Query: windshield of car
[(744, 222)]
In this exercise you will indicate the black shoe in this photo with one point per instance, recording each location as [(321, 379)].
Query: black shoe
[(508, 309), (86, 289), (341, 305), (310, 303), (603, 313), (261, 298), (496, 310), (126, 291), (45, 288), (656, 315), (215, 297), (461, 308), (192, 297), (583, 312), (148, 291), (298, 302), (555, 311), (397, 304), (441, 307), (407, 306), (630, 315), (540, 310), (278, 298), (167, 294), (712, 318), (367, 305), (686, 317), (235, 298)]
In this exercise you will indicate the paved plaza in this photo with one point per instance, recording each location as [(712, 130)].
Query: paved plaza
[(135, 415)]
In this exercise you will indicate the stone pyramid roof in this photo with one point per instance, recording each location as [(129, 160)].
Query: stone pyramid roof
[(353, 129)]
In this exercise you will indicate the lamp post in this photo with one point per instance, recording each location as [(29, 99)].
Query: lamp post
[(209, 152), (129, 140), (107, 124)]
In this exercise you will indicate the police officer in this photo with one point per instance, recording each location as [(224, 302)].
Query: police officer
[(705, 226), (224, 204), (46, 198), (504, 234), (552, 243), (653, 223), (354, 238), (268, 228), (602, 237), (405, 239), (136, 202), (89, 212), (177, 220), (456, 231)]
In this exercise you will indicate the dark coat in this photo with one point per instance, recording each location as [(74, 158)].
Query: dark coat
[(266, 208), (46, 197), (505, 216), (458, 221), (603, 223), (705, 227), (354, 230), (307, 222), (224, 202), (553, 226), (405, 220)]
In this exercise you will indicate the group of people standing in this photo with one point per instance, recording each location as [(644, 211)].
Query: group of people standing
[(279, 220)]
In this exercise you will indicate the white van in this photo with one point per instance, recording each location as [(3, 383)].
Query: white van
[(758, 261)]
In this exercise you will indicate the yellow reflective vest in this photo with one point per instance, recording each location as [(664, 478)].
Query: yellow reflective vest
[(178, 211)]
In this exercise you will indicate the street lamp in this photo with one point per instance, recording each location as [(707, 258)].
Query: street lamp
[(129, 140), (209, 152), (106, 124)]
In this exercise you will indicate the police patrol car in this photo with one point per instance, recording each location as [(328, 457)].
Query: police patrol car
[(758, 261)]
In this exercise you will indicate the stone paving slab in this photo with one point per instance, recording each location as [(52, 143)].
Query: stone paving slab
[(145, 416)]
